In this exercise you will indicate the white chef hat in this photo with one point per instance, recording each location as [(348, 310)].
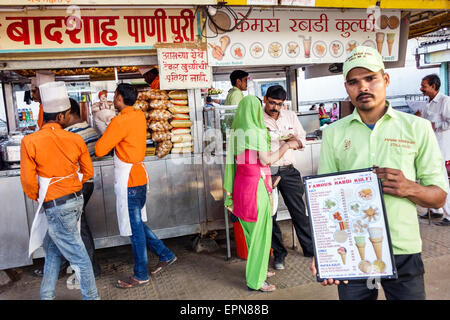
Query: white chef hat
[(54, 97), (44, 76)]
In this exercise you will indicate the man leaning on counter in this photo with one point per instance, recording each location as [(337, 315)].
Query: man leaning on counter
[(127, 134)]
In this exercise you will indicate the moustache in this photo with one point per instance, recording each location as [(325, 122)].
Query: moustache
[(363, 95), (274, 111)]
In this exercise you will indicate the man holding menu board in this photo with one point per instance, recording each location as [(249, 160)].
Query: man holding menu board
[(404, 150)]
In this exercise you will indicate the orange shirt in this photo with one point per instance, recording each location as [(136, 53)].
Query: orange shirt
[(127, 133), (53, 152), (40, 121), (155, 83)]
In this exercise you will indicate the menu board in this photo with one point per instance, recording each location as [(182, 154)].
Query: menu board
[(349, 226)]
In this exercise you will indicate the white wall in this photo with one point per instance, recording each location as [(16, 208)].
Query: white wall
[(404, 81)]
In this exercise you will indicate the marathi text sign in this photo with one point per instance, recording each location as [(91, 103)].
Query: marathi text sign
[(183, 68), (293, 36), (79, 30)]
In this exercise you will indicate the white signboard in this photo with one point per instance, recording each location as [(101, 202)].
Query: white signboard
[(349, 226), (291, 36), (303, 3), (183, 68)]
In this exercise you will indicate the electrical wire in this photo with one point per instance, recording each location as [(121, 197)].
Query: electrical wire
[(232, 13)]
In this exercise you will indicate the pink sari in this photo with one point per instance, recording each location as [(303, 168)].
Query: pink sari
[(248, 172)]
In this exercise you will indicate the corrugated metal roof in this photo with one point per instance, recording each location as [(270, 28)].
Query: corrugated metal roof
[(434, 41), (434, 37)]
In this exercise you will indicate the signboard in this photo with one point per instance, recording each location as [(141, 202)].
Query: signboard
[(303, 3), (415, 4), (252, 2), (349, 226), (293, 36), (95, 30), (104, 2), (183, 68)]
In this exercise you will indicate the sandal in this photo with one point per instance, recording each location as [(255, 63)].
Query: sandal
[(264, 288), (270, 274), (131, 282)]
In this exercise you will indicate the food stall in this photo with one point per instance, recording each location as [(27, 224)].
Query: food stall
[(275, 42), (94, 48), (104, 48)]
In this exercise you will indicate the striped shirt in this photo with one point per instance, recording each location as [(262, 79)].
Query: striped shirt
[(88, 134)]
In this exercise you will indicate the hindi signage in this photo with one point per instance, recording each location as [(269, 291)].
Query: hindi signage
[(183, 68), (292, 36), (81, 30), (103, 2), (349, 226)]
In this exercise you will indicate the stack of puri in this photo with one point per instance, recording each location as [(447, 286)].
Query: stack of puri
[(181, 123), (158, 120)]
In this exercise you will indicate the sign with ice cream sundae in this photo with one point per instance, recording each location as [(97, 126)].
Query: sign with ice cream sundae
[(297, 36), (349, 226)]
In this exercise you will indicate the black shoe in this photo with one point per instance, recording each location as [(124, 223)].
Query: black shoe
[(444, 223), (278, 264), (432, 215)]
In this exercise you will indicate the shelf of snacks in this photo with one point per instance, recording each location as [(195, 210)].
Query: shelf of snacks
[(168, 121), (81, 71)]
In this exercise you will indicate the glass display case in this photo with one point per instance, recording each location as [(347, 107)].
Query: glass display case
[(217, 120)]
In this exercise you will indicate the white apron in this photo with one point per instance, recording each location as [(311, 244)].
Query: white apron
[(40, 226), (121, 176)]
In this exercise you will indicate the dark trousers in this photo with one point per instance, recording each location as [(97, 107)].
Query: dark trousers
[(86, 235), (408, 286), (291, 189)]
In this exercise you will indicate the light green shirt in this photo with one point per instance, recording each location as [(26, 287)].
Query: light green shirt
[(234, 96), (400, 141)]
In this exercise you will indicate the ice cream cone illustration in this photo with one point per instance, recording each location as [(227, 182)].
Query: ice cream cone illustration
[(342, 252), (390, 41), (376, 237), (361, 244), (380, 40)]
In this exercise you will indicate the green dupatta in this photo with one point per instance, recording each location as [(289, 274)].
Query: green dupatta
[(248, 131)]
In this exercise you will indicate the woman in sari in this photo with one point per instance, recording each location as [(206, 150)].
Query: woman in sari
[(334, 112), (248, 186), (323, 115)]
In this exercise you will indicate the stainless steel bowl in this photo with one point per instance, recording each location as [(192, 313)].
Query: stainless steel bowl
[(10, 149)]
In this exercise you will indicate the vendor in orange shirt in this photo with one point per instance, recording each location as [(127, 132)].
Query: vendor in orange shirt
[(50, 161), (127, 134), (151, 76)]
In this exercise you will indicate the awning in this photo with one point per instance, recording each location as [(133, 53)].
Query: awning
[(424, 22), (108, 3)]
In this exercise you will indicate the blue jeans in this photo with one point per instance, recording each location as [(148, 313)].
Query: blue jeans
[(142, 236), (63, 240)]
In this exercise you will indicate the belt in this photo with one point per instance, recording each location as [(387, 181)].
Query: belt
[(276, 169), (61, 200)]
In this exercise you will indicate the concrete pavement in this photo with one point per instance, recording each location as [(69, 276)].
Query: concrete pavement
[(208, 276)]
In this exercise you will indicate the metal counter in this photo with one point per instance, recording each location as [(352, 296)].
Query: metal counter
[(185, 196), (175, 200)]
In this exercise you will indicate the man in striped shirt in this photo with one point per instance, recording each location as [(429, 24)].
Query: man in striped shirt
[(76, 125)]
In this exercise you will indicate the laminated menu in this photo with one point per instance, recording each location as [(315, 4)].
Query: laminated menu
[(349, 226)]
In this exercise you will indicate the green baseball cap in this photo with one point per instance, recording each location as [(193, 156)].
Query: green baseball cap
[(363, 57)]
